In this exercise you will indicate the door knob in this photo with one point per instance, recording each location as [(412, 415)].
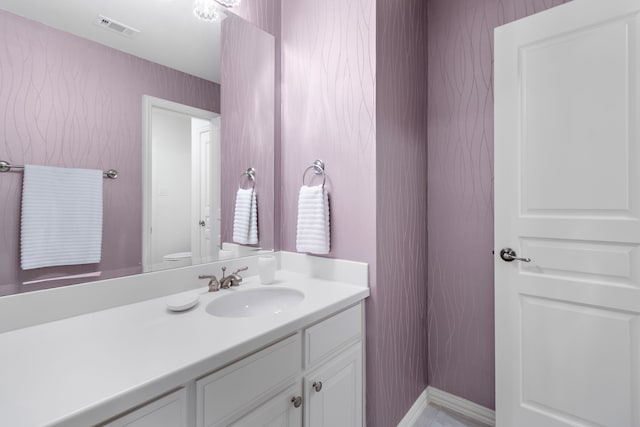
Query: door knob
[(508, 255), (317, 385)]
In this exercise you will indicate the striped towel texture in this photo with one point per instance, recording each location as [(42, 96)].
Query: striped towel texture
[(61, 219), (313, 232), (245, 218)]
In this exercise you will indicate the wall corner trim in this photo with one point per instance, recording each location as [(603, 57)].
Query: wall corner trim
[(448, 401)]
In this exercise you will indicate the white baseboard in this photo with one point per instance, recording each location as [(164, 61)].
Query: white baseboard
[(416, 409), (448, 401)]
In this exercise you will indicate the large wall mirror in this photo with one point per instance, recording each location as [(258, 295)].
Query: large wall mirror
[(181, 107)]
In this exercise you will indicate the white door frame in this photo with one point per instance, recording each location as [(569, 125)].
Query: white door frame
[(148, 104)]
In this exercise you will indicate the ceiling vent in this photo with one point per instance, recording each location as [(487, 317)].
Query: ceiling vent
[(116, 27)]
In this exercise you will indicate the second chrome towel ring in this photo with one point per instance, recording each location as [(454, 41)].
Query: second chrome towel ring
[(251, 176), (318, 169)]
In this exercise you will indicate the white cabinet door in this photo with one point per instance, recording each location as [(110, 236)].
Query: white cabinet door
[(168, 411), (279, 411), (334, 391), (567, 196)]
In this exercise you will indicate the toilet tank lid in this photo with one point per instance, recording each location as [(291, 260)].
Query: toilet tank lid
[(177, 256)]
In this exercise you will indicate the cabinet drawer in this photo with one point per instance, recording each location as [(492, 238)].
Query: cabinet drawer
[(330, 335), (278, 411), (247, 382), (167, 411)]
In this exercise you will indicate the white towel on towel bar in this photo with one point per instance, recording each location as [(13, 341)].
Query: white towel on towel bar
[(61, 222), (313, 232), (245, 218)]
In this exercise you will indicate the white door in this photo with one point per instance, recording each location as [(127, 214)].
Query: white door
[(567, 196), (205, 191)]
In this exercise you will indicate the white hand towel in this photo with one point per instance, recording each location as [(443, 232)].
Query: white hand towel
[(61, 221), (245, 218), (313, 232)]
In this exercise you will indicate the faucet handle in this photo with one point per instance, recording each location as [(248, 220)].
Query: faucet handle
[(214, 285), (240, 269), (236, 278)]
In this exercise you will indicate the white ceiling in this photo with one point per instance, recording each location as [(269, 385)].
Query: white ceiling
[(170, 34)]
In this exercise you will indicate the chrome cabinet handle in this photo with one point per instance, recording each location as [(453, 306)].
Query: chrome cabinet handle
[(202, 223), (317, 385), (297, 401), (508, 255)]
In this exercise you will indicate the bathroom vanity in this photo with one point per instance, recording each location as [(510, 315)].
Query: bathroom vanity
[(142, 365)]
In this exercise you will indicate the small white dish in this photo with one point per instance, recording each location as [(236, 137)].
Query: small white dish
[(183, 301)]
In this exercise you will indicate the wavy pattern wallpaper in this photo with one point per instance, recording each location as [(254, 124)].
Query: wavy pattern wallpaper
[(397, 310), (328, 113), (265, 14), (460, 193), (354, 95), (247, 104), (66, 101)]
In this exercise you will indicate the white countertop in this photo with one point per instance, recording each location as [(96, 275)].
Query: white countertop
[(86, 369)]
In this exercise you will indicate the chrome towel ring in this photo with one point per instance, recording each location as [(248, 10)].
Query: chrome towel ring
[(318, 169), (251, 176)]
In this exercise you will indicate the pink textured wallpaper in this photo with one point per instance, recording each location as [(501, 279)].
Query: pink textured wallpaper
[(460, 195), (65, 101), (397, 309), (265, 14), (328, 113), (375, 155), (247, 102)]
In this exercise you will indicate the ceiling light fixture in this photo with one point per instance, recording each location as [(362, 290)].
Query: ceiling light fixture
[(206, 10), (229, 3)]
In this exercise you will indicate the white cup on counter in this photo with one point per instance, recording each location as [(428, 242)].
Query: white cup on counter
[(267, 268)]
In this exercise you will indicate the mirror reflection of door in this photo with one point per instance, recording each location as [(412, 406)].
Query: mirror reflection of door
[(182, 186), (205, 189)]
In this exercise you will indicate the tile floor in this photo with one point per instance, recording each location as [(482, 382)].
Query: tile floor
[(435, 416)]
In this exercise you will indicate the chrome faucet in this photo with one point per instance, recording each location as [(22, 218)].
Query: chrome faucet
[(226, 282), (233, 279), (214, 285)]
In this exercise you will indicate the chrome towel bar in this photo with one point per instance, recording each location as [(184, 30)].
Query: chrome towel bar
[(6, 167)]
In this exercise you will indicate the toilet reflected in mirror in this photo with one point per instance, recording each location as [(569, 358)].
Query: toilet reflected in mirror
[(177, 259)]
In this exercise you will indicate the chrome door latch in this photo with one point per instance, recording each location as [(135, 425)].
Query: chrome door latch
[(508, 255)]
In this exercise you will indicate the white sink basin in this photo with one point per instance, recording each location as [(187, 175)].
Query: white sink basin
[(254, 302)]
